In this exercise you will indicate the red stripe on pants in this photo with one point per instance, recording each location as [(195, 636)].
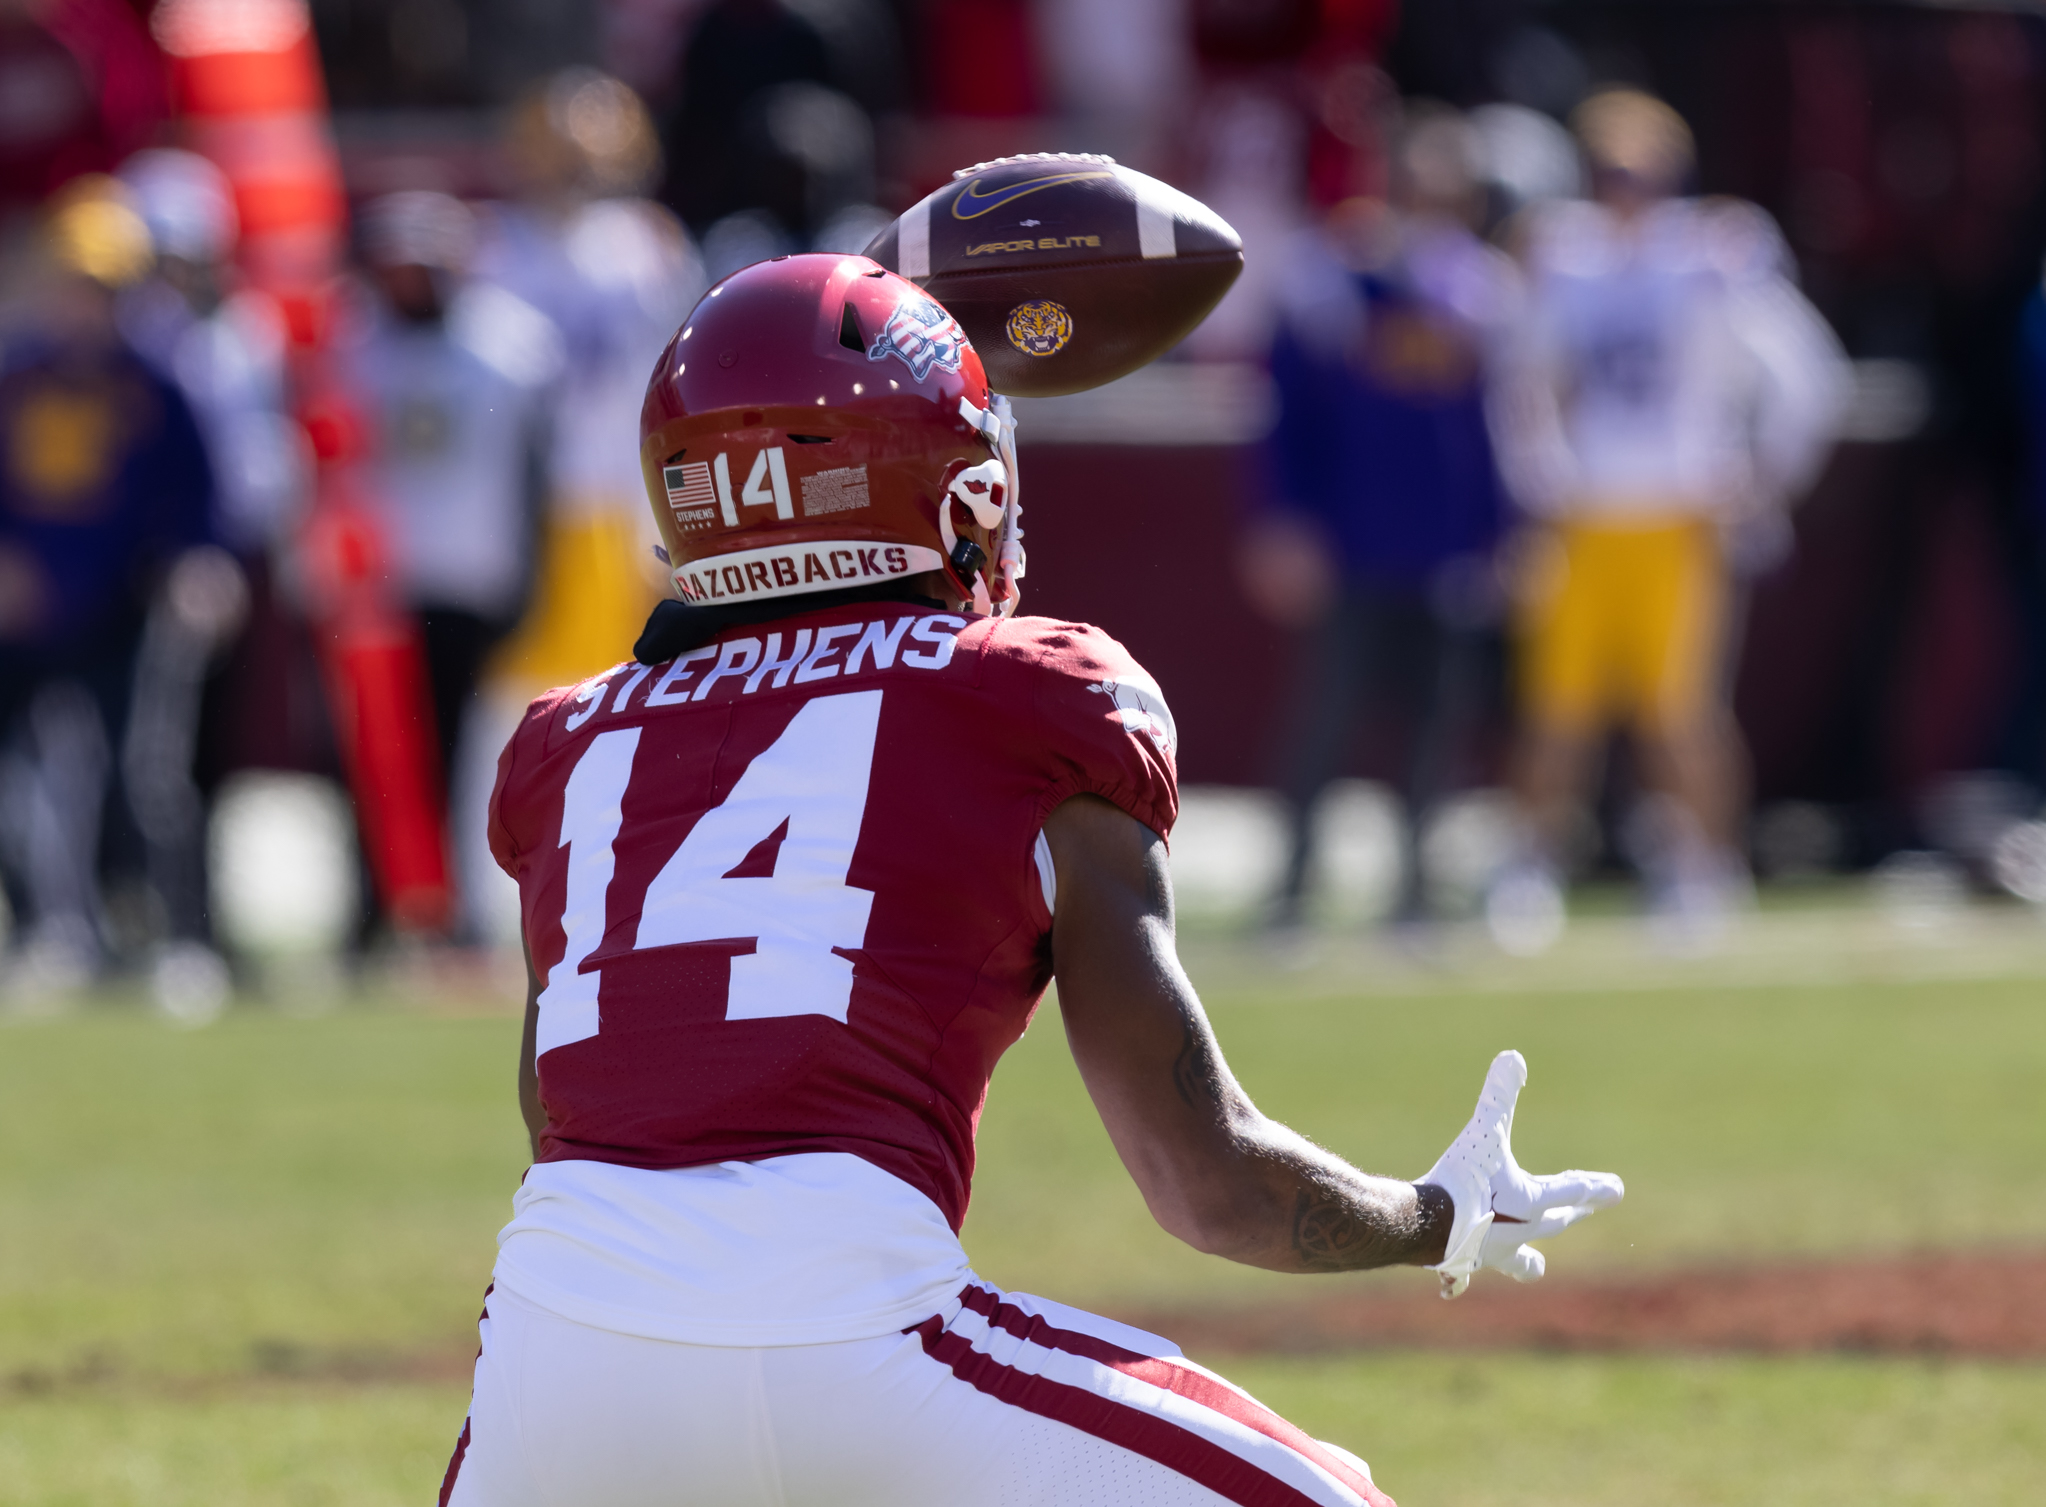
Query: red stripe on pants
[(1171, 1376), (447, 1485), (1134, 1429)]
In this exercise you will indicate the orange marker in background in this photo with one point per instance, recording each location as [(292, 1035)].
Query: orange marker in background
[(247, 88)]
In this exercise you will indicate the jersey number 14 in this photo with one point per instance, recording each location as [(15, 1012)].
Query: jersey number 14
[(809, 788)]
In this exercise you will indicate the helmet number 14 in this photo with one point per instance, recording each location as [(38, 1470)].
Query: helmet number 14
[(801, 800), (767, 485)]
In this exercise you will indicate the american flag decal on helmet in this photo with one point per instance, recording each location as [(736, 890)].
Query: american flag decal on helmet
[(690, 497), (921, 335)]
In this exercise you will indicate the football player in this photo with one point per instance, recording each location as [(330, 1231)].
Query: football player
[(792, 881), (1667, 396)]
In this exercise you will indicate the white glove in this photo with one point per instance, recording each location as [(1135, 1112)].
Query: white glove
[(1486, 1184)]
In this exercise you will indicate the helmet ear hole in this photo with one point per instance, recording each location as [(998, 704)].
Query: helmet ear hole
[(849, 331)]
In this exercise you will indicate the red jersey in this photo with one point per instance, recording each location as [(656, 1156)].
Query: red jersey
[(781, 890)]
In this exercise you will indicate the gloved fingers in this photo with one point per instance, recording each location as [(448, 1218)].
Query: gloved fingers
[(1507, 1246), (1506, 1250), (1526, 1264), (1483, 1148), (1505, 1234), (1492, 1121), (1478, 1161), (1525, 1196), (1551, 1222), (1472, 1168), (1503, 1082)]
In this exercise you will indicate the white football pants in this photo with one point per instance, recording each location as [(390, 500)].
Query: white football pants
[(1004, 1400)]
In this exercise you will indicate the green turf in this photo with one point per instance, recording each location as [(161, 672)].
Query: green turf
[(285, 1446), (182, 1202), (264, 1194), (1515, 1431), (205, 1235), (1530, 1431), (1751, 1122)]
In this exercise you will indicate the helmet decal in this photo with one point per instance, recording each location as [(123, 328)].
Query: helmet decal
[(767, 484), (763, 488), (921, 335), (980, 489), (690, 497), (839, 490), (771, 570)]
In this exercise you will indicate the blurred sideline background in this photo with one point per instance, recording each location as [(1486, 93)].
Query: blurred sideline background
[(345, 302), (322, 334)]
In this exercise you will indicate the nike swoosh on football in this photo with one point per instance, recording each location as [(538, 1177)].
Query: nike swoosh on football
[(989, 203)]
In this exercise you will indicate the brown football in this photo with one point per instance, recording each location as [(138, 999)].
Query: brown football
[(1066, 271)]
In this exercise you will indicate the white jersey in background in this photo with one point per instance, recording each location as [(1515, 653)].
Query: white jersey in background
[(1664, 368), (616, 276), (458, 407), (229, 364)]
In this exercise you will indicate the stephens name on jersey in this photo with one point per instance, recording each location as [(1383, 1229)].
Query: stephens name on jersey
[(788, 898)]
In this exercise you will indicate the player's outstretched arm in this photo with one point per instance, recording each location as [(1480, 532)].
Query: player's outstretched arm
[(1213, 1170)]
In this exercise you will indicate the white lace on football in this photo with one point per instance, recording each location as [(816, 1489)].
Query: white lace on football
[(1090, 158)]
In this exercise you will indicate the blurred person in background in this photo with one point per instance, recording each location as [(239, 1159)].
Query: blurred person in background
[(1251, 146), (223, 345), (1668, 394), (1123, 74), (1289, 101), (771, 147), (1386, 506), (105, 508), (615, 272), (458, 378)]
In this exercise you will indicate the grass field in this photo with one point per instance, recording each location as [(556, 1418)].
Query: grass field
[(242, 1265)]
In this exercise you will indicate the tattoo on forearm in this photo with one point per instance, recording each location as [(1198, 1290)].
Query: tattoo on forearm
[(1193, 1074), (1327, 1236), (1330, 1236)]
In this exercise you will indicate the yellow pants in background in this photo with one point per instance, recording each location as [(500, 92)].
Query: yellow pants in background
[(1622, 621), (591, 600)]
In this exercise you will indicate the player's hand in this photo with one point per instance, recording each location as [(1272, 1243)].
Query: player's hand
[(1499, 1208)]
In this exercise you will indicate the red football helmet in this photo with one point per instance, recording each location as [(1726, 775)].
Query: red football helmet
[(818, 423)]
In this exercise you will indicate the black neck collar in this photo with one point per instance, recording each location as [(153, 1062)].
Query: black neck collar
[(677, 627)]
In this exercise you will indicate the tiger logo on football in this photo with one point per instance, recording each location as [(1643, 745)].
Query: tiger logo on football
[(1040, 327)]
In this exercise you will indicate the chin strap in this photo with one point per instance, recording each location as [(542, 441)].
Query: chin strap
[(997, 425), (1010, 563)]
